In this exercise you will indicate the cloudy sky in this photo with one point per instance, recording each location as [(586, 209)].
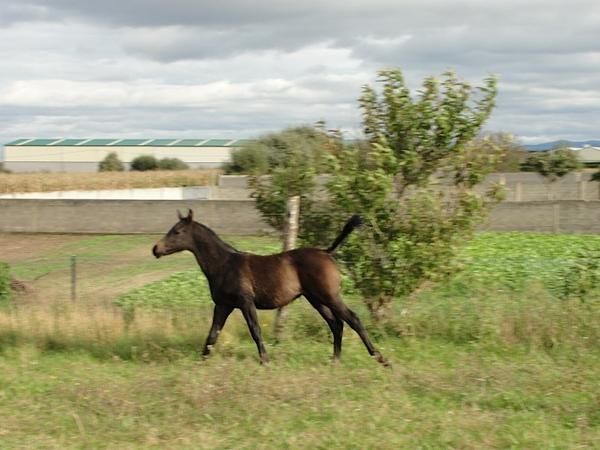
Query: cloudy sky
[(236, 68)]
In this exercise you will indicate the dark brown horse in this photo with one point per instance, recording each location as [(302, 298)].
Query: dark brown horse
[(250, 282)]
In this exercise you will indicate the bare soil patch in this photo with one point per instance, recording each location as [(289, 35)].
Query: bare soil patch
[(21, 247)]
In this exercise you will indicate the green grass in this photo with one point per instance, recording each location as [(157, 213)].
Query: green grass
[(437, 396), (492, 358), (504, 261)]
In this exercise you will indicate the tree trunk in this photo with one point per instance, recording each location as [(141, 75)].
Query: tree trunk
[(289, 242), (380, 309)]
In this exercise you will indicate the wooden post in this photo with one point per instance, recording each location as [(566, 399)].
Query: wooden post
[(582, 190), (289, 242), (73, 278), (518, 192), (556, 217)]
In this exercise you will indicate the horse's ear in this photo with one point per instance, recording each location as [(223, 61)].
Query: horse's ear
[(190, 215), (179, 216)]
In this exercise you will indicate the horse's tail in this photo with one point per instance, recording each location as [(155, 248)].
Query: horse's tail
[(354, 222)]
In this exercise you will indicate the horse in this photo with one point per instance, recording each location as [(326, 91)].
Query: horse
[(249, 282)]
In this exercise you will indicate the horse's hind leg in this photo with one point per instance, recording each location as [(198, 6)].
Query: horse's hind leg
[(336, 325), (347, 315)]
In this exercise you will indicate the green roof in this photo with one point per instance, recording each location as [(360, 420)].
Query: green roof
[(216, 142), (68, 142), (188, 142), (38, 142), (98, 142), (240, 142), (160, 142), (17, 141), (116, 142), (125, 142)]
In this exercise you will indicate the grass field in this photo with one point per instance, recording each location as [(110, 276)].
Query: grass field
[(47, 182), (494, 358)]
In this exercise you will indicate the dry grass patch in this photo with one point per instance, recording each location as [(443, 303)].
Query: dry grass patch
[(48, 182)]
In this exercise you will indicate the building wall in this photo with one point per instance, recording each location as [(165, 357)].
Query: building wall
[(87, 158)]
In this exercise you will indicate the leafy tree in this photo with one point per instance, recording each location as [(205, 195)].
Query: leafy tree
[(553, 164), (250, 159), (143, 163), (282, 165), (172, 164), (412, 184), (111, 163), (513, 154)]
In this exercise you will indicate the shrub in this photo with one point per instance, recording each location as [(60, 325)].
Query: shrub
[(143, 163), (172, 164), (111, 163), (581, 276), (4, 282)]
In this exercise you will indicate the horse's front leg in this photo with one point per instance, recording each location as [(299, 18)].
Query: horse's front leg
[(220, 315), (249, 312)]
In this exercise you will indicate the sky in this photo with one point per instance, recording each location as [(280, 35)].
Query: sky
[(241, 68)]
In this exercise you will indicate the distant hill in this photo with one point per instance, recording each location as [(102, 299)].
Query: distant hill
[(550, 145)]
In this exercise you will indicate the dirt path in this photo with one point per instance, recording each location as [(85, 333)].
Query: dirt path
[(21, 247), (107, 266)]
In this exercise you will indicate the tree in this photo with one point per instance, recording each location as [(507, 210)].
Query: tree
[(412, 184), (513, 153), (553, 164), (144, 163), (111, 163), (282, 165)]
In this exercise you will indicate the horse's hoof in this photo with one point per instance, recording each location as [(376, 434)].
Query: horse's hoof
[(381, 360)]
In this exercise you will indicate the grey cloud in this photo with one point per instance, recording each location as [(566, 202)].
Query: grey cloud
[(550, 44)]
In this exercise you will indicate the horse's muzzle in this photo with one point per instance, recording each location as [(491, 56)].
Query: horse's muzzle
[(155, 252)]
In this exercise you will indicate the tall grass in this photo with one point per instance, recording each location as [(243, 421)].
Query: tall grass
[(46, 182), (531, 320), (476, 364)]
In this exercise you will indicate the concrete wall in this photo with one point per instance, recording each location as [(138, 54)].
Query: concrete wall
[(563, 216), (125, 216), (519, 186), (241, 217)]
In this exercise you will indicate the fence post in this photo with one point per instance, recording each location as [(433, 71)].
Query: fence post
[(289, 242), (556, 217), (73, 278), (518, 192)]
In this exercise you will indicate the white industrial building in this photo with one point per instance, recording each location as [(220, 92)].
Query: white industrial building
[(84, 155), (588, 155)]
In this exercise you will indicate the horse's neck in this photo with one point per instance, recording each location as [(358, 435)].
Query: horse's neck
[(210, 251)]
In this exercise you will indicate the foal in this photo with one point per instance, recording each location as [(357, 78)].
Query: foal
[(250, 282)]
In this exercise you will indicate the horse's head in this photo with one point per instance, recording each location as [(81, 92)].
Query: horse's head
[(178, 238)]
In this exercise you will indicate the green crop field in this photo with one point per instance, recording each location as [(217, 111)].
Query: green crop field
[(504, 354)]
